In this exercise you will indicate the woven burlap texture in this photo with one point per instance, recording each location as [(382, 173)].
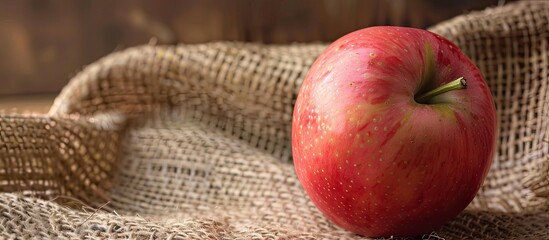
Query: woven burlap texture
[(193, 141)]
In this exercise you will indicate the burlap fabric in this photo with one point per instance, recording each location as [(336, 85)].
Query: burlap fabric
[(193, 141)]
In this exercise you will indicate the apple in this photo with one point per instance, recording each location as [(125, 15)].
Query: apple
[(393, 131)]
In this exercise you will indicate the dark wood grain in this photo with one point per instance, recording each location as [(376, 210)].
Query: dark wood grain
[(44, 43)]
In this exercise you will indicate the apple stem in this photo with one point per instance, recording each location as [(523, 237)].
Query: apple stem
[(457, 84)]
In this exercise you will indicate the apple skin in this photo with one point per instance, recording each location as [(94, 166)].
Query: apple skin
[(370, 157)]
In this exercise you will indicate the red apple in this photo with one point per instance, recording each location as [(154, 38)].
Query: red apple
[(393, 131)]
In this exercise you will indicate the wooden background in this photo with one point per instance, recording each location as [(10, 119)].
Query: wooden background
[(43, 43)]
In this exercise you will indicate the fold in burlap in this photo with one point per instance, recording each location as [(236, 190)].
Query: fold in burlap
[(193, 141)]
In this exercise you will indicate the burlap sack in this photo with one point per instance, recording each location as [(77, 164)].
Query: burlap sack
[(193, 141)]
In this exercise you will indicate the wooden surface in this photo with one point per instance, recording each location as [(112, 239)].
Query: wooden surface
[(44, 43), (26, 103)]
